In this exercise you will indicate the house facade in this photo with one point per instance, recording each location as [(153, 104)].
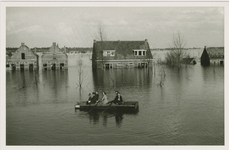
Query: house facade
[(22, 59), (121, 54), (212, 55), (54, 58)]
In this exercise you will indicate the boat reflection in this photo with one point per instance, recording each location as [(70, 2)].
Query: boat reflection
[(96, 117)]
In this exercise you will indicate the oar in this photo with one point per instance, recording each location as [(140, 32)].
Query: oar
[(93, 107), (106, 108)]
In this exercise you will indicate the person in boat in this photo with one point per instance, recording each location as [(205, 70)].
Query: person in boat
[(97, 96), (89, 98), (104, 100), (94, 98), (118, 99)]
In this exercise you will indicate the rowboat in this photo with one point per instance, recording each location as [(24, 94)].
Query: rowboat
[(127, 106)]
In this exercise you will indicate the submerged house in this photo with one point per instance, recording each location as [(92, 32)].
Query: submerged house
[(22, 59), (188, 61), (121, 54), (54, 58), (212, 55)]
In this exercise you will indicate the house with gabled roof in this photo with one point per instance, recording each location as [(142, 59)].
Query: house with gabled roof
[(121, 54), (22, 59), (212, 55), (54, 58)]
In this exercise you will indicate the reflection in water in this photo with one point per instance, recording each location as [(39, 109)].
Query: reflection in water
[(116, 78), (33, 87), (96, 116), (118, 119)]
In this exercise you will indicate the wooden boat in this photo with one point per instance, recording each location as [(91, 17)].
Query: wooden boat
[(126, 106)]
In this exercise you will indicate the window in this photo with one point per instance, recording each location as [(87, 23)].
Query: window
[(143, 53), (109, 53), (136, 53), (112, 53), (54, 56), (22, 55), (104, 53), (140, 52)]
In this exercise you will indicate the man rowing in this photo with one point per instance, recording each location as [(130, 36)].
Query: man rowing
[(118, 99)]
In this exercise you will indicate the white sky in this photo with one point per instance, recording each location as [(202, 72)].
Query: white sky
[(78, 26)]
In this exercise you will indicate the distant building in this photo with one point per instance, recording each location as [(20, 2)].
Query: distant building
[(121, 54), (212, 55), (188, 61), (77, 50), (22, 59), (54, 58), (159, 55)]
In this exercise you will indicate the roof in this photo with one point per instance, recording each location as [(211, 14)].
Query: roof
[(215, 52), (11, 49), (54, 48), (187, 60), (124, 48), (20, 49)]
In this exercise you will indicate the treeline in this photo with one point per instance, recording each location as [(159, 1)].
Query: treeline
[(44, 49)]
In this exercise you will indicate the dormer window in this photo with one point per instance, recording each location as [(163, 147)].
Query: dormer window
[(108, 53), (139, 52)]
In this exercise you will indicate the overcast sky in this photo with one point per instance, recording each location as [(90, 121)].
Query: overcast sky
[(78, 27)]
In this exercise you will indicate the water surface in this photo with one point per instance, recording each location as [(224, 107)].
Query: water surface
[(187, 110)]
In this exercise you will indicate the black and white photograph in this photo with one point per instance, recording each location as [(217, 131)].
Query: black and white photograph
[(113, 74)]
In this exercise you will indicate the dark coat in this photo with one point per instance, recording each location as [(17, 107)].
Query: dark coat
[(93, 99), (117, 100), (97, 97)]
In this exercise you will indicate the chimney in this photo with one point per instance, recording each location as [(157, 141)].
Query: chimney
[(146, 40), (94, 41), (22, 44), (54, 44)]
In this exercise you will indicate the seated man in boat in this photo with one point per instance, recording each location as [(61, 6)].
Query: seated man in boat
[(118, 99), (92, 99)]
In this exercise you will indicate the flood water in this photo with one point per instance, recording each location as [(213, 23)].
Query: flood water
[(188, 109)]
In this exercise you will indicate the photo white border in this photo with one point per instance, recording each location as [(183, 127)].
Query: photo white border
[(146, 3)]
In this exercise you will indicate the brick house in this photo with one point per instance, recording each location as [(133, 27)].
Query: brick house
[(212, 55), (54, 58), (22, 59), (121, 54)]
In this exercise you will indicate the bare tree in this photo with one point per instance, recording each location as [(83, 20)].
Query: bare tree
[(101, 33), (175, 56), (81, 73)]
